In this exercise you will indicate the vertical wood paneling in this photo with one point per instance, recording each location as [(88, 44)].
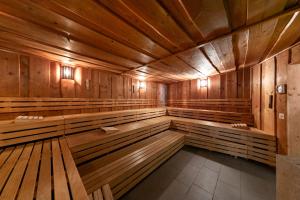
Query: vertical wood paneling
[(9, 65), (162, 92), (281, 102), (293, 110), (55, 80), (195, 91), (39, 79), (256, 95), (135, 89), (214, 87), (127, 87), (24, 76), (268, 84), (105, 85), (68, 88)]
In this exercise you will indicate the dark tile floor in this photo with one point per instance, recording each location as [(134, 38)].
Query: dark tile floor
[(196, 174)]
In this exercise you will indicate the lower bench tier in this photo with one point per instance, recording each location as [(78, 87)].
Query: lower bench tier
[(128, 166), (222, 138)]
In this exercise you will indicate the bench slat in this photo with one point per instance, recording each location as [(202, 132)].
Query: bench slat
[(29, 182), (12, 186), (76, 186), (44, 186), (60, 181)]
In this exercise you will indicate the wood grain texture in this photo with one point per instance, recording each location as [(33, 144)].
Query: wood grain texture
[(163, 40)]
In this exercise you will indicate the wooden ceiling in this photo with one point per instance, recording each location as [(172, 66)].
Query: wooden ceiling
[(162, 40)]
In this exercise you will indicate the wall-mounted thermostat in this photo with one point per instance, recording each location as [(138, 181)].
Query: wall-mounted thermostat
[(281, 89)]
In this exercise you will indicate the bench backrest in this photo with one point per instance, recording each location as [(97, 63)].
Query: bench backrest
[(212, 115), (14, 106), (234, 105)]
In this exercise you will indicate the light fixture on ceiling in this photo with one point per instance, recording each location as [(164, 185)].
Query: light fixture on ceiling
[(67, 72)]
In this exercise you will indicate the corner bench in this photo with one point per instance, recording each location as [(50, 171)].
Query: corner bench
[(108, 165)]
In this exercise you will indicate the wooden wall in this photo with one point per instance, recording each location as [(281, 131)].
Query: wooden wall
[(32, 76), (266, 76), (234, 84)]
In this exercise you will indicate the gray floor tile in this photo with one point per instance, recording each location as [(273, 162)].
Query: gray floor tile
[(257, 187), (225, 191), (197, 193), (197, 161), (212, 165), (188, 175), (175, 191), (230, 176), (207, 179)]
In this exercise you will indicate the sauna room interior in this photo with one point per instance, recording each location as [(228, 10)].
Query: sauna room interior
[(149, 100)]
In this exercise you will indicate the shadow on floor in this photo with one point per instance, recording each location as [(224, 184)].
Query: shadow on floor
[(197, 174)]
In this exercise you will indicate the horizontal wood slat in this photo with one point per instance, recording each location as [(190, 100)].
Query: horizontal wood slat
[(251, 144), (12, 132), (131, 164), (40, 170), (241, 105), (212, 115), (90, 145), (23, 106)]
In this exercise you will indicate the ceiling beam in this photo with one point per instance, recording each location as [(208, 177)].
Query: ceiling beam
[(242, 28)]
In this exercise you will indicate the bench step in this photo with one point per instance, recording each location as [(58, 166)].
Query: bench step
[(126, 171)]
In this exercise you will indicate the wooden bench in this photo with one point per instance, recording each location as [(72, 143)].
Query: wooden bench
[(89, 145), (212, 115), (12, 132), (40, 170), (14, 106), (36, 152), (124, 168), (103, 193), (234, 105), (251, 144)]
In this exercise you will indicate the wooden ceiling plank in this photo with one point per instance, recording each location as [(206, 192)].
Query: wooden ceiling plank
[(209, 15), (123, 11), (194, 68), (4, 46), (259, 39), (33, 32), (224, 49), (212, 55), (280, 28), (94, 16), (160, 21), (32, 12), (154, 71), (18, 41), (237, 10), (262, 9), (240, 47), (288, 36), (198, 60), (176, 64), (243, 28), (182, 16)]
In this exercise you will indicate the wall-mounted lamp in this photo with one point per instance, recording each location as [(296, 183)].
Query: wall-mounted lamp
[(67, 72), (203, 83), (142, 85)]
